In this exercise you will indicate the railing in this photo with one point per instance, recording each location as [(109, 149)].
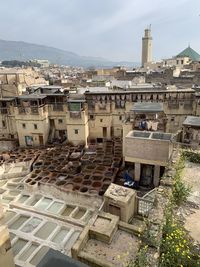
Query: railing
[(4, 110), (31, 110), (145, 203), (22, 110), (193, 146), (75, 114), (58, 107), (34, 111), (144, 206)]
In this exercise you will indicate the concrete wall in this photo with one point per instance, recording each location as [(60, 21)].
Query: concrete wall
[(147, 151)]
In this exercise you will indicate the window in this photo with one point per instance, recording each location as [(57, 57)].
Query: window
[(35, 126), (23, 125), (101, 120), (172, 119), (60, 121), (3, 124), (76, 131), (120, 117), (91, 117), (29, 140)]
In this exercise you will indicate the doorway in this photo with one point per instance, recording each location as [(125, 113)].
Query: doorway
[(41, 140), (104, 132)]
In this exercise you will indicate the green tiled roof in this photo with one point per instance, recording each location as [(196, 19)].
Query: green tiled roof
[(189, 52)]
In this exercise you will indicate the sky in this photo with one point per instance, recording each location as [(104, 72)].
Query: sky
[(111, 29)]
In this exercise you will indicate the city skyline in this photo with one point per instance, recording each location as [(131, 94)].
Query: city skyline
[(112, 29)]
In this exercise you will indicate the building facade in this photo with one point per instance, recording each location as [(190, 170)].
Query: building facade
[(38, 119)]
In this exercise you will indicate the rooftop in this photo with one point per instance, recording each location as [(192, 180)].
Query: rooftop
[(192, 121), (147, 107), (150, 135), (32, 97), (191, 53)]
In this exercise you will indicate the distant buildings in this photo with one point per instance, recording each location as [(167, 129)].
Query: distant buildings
[(44, 63), (14, 81)]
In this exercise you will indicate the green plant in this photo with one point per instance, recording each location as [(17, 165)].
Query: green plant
[(180, 190), (141, 258), (176, 248), (191, 156)]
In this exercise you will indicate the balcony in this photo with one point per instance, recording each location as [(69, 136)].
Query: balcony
[(34, 110), (4, 111), (31, 110), (58, 107), (75, 114)]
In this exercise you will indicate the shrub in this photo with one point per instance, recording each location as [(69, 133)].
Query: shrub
[(141, 258), (176, 248), (180, 190), (191, 156)]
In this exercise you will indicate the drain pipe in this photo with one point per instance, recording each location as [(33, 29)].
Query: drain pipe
[(102, 205), (97, 213)]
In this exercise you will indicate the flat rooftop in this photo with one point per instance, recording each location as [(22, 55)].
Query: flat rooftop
[(147, 107), (150, 135), (192, 121)]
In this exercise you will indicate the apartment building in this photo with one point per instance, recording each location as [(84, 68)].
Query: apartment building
[(15, 81), (37, 119)]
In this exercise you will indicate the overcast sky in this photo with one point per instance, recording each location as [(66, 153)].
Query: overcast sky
[(105, 28)]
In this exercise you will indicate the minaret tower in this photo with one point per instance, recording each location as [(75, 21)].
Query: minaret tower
[(147, 46)]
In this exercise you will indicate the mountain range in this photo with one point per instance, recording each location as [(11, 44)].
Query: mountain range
[(22, 51)]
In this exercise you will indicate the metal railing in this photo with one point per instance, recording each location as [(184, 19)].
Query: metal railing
[(145, 203), (58, 107), (144, 206)]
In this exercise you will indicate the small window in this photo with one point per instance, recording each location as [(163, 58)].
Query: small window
[(172, 119), (23, 125), (35, 126), (76, 131), (91, 117), (60, 121), (101, 120), (3, 124), (120, 117)]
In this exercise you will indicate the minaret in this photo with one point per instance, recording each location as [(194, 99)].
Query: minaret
[(147, 46)]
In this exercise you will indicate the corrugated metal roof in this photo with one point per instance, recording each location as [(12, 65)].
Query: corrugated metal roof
[(32, 96), (147, 107), (192, 121)]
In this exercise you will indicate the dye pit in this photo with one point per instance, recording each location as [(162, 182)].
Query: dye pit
[(50, 194)]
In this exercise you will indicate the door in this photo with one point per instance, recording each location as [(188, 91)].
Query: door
[(41, 140), (104, 132), (52, 123)]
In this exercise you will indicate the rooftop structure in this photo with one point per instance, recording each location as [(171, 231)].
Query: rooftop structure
[(193, 121), (147, 107), (191, 53)]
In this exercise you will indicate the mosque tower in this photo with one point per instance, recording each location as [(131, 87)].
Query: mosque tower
[(147, 46)]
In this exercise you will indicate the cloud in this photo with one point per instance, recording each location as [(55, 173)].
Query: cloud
[(107, 28)]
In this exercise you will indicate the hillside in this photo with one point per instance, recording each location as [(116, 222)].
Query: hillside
[(17, 50)]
